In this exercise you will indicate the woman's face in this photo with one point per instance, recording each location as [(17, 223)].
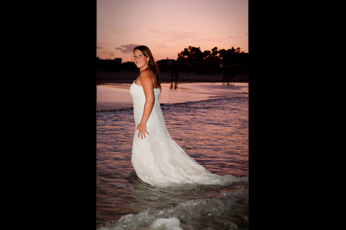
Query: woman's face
[(139, 59)]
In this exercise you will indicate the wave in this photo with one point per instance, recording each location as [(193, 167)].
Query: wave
[(227, 211)]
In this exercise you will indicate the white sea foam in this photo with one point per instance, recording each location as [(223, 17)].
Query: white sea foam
[(171, 223), (227, 211)]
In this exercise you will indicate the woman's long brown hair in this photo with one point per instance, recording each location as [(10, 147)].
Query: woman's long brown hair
[(152, 64)]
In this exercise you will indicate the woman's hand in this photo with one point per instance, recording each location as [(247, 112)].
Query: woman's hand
[(142, 130)]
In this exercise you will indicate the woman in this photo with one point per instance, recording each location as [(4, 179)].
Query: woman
[(156, 158)]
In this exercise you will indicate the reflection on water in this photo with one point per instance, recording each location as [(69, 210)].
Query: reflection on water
[(213, 132)]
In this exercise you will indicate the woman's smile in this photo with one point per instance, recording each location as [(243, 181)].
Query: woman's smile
[(140, 60)]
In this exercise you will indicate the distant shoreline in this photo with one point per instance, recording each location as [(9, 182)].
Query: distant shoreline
[(103, 77)]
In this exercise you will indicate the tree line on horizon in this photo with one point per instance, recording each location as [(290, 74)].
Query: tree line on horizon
[(190, 59), (195, 53)]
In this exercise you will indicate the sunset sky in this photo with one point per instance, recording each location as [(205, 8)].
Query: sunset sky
[(169, 26)]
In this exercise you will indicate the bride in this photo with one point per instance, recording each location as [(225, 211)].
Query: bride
[(156, 158)]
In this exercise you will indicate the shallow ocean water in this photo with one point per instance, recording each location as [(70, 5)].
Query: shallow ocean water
[(213, 131)]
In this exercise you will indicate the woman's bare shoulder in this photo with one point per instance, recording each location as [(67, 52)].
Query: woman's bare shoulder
[(146, 75)]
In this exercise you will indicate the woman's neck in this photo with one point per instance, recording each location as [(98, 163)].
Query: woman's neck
[(144, 68)]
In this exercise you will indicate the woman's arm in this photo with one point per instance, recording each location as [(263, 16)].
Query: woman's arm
[(147, 85)]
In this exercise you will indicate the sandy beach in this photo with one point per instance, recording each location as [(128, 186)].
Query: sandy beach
[(114, 96), (113, 89)]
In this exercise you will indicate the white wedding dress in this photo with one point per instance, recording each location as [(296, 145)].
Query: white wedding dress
[(160, 161)]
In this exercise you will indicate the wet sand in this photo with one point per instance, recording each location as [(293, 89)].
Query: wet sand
[(113, 96)]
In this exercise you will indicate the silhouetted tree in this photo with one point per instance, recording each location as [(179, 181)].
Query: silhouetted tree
[(212, 61), (197, 54), (232, 55), (184, 54), (214, 52), (192, 53), (206, 54)]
